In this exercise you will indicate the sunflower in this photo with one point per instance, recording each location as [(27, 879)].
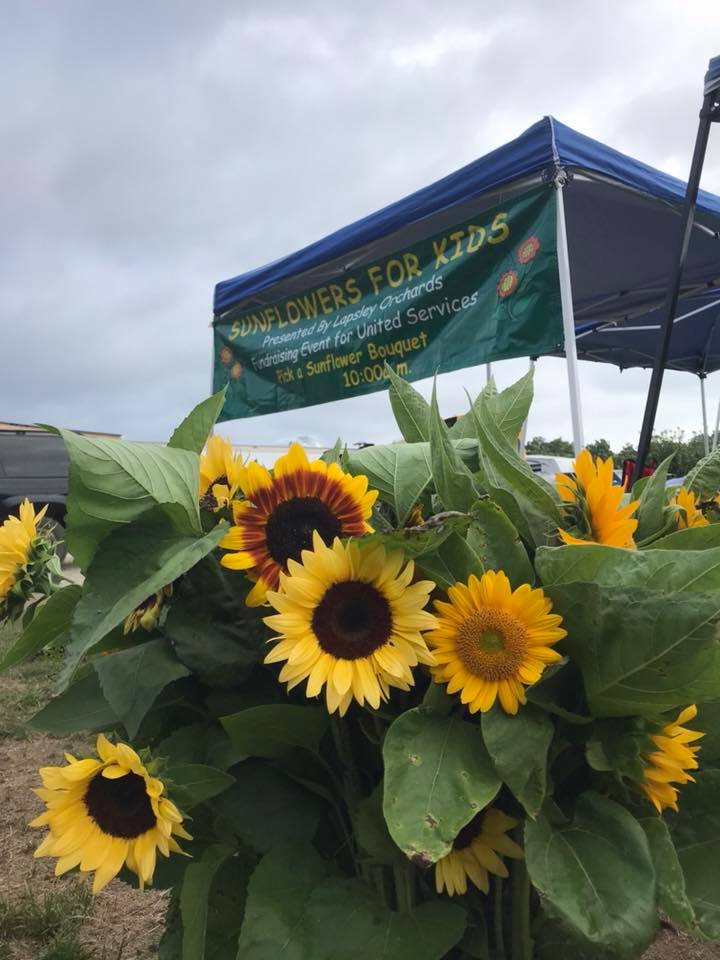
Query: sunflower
[(349, 619), (147, 614), (595, 503), (219, 473), (688, 515), (17, 537), (491, 641), (283, 511), (105, 813), (669, 759), (475, 853)]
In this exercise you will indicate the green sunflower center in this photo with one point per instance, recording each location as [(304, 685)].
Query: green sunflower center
[(492, 644), (121, 808), (352, 620), (290, 527)]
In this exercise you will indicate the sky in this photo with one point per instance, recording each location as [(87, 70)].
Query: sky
[(150, 150)]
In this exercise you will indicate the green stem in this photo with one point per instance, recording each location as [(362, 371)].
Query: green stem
[(498, 918), (522, 944), (350, 785), (404, 877)]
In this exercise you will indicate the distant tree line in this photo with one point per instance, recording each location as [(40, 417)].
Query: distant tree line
[(687, 450)]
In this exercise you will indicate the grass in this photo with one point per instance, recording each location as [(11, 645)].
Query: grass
[(24, 689), (46, 917)]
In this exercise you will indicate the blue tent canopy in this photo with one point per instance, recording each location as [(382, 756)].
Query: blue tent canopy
[(622, 220)]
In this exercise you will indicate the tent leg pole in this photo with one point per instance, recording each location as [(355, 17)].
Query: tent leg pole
[(488, 372), (523, 432), (706, 439), (717, 426), (708, 113), (568, 318)]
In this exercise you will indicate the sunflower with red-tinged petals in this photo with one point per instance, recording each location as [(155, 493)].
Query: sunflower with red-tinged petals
[(282, 511)]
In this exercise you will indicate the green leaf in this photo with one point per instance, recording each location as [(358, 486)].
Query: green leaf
[(559, 691), (193, 783), (496, 541), (276, 904), (113, 482), (704, 478), (708, 720), (453, 481), (272, 729), (530, 502), (333, 454), (596, 875), (509, 409), (50, 623), (653, 500), (641, 625), (519, 746), (132, 564), (411, 410), (695, 832), (692, 538), (132, 679), (672, 897), (371, 830), (420, 541), (194, 900), (265, 808), (193, 432), (401, 472), (438, 775), (346, 919), (81, 707)]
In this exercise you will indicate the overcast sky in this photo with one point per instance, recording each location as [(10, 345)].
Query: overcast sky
[(149, 150)]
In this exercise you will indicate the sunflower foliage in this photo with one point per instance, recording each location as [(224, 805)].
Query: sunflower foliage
[(409, 701)]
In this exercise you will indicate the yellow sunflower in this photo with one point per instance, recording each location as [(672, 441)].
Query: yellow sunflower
[(597, 503), (688, 515), (475, 853), (491, 641), (349, 619), (670, 760), (106, 812), (283, 511), (17, 536), (220, 470), (147, 614)]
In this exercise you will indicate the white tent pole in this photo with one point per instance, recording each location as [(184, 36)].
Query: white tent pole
[(523, 432), (568, 318), (488, 372), (717, 426), (704, 414)]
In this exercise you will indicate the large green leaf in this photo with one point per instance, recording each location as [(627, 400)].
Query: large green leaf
[(194, 898), (438, 775), (644, 639), (371, 830), (133, 563), (275, 911), (509, 409), (671, 893), (696, 834), (416, 542), (692, 538), (704, 478), (81, 707), (272, 729), (113, 482), (596, 874), (452, 479), (132, 679), (265, 808), (193, 783), (410, 408), (519, 747), (48, 626), (346, 920), (653, 500), (193, 432)]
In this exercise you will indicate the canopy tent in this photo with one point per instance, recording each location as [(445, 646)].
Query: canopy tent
[(616, 222)]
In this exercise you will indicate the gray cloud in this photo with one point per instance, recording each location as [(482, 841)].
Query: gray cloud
[(149, 151)]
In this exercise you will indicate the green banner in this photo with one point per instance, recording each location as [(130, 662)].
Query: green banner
[(485, 289)]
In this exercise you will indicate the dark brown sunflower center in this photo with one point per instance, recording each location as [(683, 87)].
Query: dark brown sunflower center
[(121, 808), (352, 620), (468, 832), (290, 527)]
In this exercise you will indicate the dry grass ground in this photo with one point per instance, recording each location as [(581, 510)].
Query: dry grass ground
[(43, 917)]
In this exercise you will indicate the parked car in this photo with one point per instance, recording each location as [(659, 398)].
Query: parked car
[(547, 467), (34, 464)]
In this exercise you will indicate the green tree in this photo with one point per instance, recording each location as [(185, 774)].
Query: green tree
[(600, 448), (554, 448)]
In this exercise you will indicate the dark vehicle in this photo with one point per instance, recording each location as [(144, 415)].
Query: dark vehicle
[(34, 464)]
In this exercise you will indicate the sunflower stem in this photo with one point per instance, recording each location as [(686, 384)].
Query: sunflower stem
[(350, 780), (498, 918), (404, 877), (522, 944)]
